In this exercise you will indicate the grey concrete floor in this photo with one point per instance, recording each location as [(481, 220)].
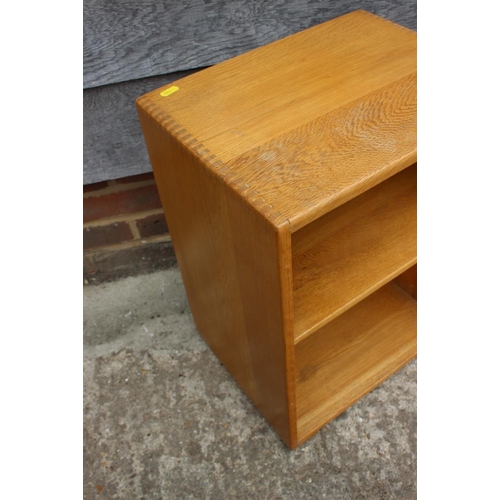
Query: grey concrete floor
[(163, 419)]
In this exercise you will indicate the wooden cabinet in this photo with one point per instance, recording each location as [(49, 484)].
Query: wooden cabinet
[(288, 177)]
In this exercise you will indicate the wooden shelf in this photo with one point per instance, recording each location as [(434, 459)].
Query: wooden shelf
[(288, 179), (351, 355), (352, 251)]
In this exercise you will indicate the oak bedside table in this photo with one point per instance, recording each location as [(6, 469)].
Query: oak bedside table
[(288, 179)]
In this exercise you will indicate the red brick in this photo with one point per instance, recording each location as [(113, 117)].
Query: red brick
[(152, 225), (111, 234), (123, 202), (95, 187), (135, 178)]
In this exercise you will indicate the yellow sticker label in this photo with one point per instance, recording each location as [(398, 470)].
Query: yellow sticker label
[(169, 91)]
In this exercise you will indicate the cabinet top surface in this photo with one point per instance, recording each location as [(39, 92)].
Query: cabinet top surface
[(304, 124)]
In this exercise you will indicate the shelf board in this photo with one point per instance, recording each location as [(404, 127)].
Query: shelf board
[(350, 356), (347, 254)]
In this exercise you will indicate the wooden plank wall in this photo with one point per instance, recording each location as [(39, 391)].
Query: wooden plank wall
[(113, 145), (133, 47)]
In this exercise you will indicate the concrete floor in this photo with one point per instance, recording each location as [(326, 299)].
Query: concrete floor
[(164, 420)]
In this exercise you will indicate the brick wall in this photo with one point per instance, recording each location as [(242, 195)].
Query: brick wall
[(124, 229)]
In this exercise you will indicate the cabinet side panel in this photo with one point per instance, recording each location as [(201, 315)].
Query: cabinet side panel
[(228, 256), (263, 264)]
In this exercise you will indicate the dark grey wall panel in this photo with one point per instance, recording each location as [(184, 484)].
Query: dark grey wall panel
[(113, 145), (126, 39)]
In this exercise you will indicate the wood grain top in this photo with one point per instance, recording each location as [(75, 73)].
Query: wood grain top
[(304, 124)]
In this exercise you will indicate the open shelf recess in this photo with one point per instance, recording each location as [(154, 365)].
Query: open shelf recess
[(351, 355), (347, 254)]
